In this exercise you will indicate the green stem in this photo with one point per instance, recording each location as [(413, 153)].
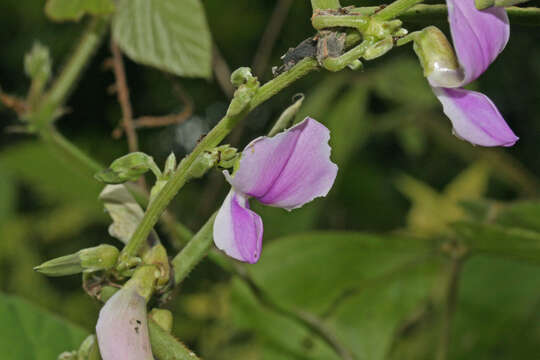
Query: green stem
[(395, 9), (325, 4), (67, 150), (194, 251), (352, 21), (214, 137), (57, 95), (528, 16)]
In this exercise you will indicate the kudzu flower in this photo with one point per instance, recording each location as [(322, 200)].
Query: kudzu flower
[(479, 37), (122, 328), (286, 171)]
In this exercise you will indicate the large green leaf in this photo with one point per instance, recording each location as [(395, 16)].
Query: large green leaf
[(34, 164), (30, 333), (74, 9), (170, 35), (512, 230), (497, 314), (278, 336), (326, 264), (500, 240), (361, 287), (523, 214), (368, 321)]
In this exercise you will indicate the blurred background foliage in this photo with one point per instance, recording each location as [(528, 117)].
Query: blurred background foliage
[(370, 272)]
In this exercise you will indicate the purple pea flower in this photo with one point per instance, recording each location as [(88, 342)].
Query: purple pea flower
[(286, 171), (122, 328), (479, 37)]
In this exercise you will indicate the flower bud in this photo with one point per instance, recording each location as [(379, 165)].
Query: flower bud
[(437, 58), (241, 76), (128, 167), (37, 63), (102, 257), (170, 165)]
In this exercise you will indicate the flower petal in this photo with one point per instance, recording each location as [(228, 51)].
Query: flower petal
[(289, 169), (475, 118), (238, 230), (478, 35), (122, 329)]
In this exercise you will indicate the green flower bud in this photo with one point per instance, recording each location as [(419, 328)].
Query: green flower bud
[(102, 257), (163, 317), (241, 76), (128, 167), (37, 63), (170, 165), (89, 349), (437, 57)]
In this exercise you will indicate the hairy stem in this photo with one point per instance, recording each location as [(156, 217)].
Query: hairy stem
[(195, 250), (214, 137), (396, 8)]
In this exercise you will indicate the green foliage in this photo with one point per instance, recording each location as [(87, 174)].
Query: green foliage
[(432, 212), (61, 10), (30, 333), (170, 35), (497, 311), (367, 288), (350, 259)]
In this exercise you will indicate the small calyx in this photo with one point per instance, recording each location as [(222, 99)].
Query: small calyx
[(99, 258)]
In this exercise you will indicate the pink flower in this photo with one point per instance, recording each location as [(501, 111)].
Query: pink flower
[(122, 328), (479, 37), (286, 171)]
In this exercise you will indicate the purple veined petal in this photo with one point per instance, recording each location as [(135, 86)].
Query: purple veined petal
[(309, 173), (478, 35), (122, 328), (238, 231), (287, 170), (475, 118)]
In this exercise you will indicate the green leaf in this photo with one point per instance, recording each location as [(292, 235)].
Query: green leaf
[(368, 321), (524, 214), (350, 259), (497, 311), (279, 336), (170, 35), (61, 10), (500, 240), (361, 287), (30, 333), (36, 165)]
